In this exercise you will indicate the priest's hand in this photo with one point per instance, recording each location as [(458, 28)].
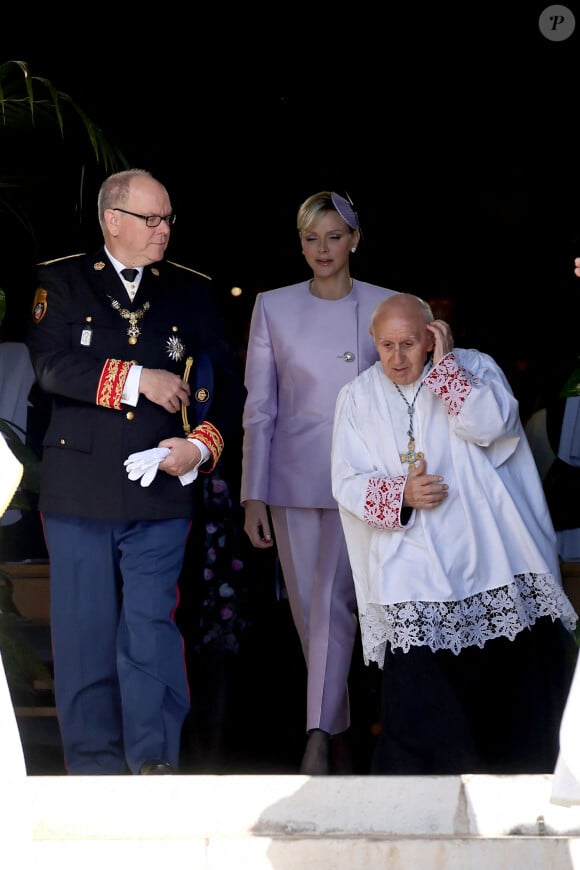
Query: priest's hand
[(424, 491), (443, 339)]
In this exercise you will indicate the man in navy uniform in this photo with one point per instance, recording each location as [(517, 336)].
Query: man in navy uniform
[(114, 341)]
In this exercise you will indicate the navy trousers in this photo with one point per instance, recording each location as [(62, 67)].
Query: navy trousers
[(121, 686)]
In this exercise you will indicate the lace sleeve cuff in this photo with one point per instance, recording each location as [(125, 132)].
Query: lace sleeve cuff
[(449, 382), (383, 502)]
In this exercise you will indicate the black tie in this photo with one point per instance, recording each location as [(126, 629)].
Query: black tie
[(129, 274)]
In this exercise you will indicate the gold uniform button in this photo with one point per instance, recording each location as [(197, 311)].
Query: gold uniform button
[(62, 441), (130, 415)]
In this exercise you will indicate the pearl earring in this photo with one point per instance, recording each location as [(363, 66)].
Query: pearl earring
[(353, 250)]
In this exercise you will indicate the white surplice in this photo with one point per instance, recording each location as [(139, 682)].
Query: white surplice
[(484, 563)]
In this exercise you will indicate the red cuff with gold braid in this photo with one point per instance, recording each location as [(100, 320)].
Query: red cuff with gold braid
[(211, 437), (112, 383)]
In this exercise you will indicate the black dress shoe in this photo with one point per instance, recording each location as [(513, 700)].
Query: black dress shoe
[(156, 766)]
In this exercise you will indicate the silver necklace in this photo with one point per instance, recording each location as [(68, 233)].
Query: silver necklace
[(410, 456)]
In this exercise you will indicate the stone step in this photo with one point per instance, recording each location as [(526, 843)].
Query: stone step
[(287, 822)]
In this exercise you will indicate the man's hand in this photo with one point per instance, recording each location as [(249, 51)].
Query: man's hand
[(424, 491), (441, 332), (164, 388), (183, 456), (256, 524), (577, 269)]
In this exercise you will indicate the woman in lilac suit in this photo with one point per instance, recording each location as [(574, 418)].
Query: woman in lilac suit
[(305, 342)]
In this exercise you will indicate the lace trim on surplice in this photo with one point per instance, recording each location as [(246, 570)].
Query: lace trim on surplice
[(450, 382), (455, 625)]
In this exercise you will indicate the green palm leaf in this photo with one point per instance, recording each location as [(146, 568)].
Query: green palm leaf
[(34, 101)]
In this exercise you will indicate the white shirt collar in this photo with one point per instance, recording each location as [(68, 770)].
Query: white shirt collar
[(118, 266)]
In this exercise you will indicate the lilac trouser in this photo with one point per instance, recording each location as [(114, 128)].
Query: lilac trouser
[(318, 580)]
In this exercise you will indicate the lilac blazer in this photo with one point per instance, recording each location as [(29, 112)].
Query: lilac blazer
[(301, 351)]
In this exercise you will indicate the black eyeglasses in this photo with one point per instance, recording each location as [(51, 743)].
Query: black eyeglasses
[(151, 220)]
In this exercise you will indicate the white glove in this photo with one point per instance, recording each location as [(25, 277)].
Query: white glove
[(145, 464)]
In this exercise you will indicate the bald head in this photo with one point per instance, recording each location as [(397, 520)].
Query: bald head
[(401, 305)]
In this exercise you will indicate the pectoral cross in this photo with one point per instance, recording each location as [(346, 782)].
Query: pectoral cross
[(410, 456)]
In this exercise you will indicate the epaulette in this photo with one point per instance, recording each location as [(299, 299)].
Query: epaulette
[(60, 259), (187, 269)]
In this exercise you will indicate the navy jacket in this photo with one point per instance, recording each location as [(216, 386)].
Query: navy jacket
[(77, 328)]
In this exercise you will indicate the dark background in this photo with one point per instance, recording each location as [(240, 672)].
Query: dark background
[(455, 131)]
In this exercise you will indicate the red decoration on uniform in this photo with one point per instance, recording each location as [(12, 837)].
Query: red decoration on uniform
[(112, 383), (211, 437)]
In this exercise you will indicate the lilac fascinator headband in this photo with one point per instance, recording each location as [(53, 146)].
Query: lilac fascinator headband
[(345, 208)]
